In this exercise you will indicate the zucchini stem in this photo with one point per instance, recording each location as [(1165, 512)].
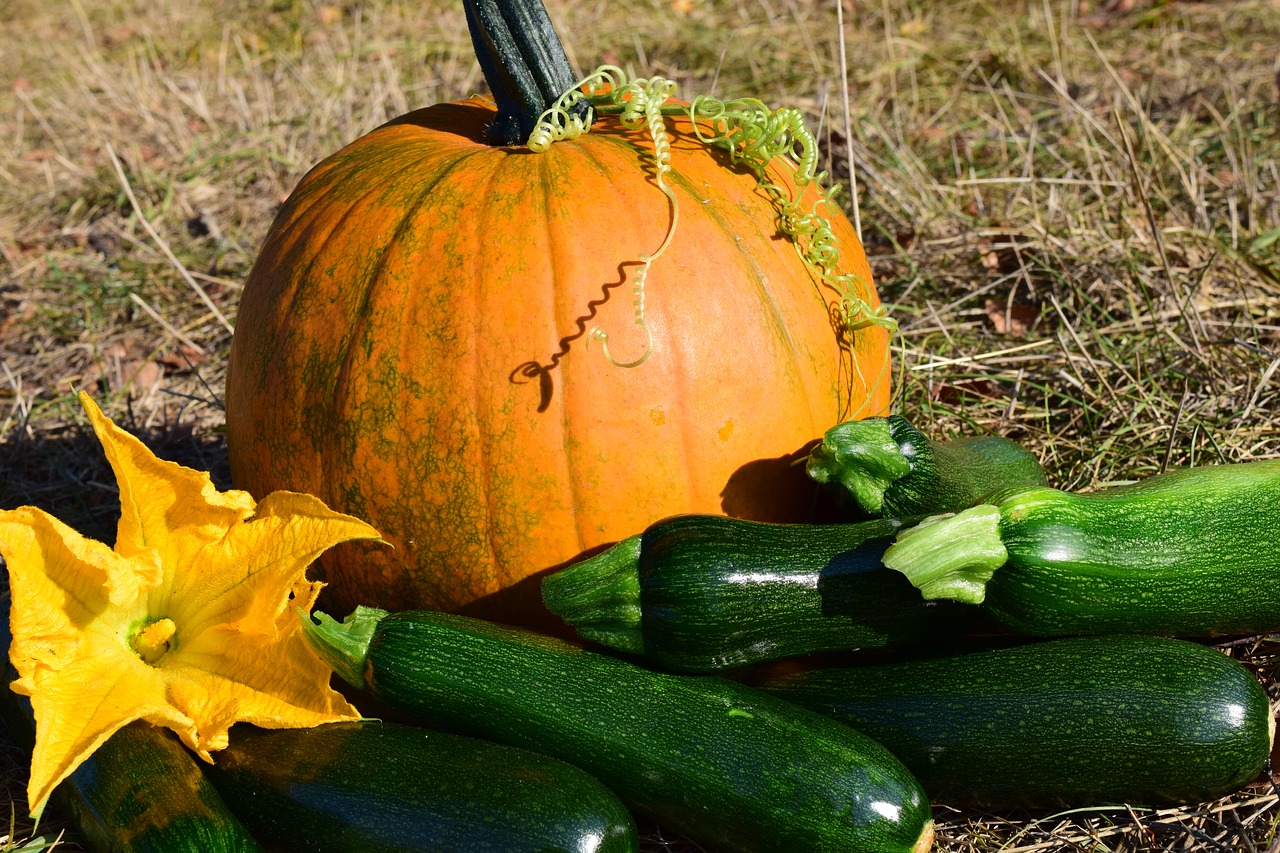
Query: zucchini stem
[(600, 597), (863, 457), (344, 645), (951, 556)]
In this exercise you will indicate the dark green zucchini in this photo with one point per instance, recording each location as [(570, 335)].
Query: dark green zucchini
[(1190, 553), (888, 468), (141, 791), (701, 592), (729, 767), (1062, 723), (390, 788)]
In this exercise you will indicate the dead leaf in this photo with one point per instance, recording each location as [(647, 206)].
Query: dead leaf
[(1002, 252), (959, 392), (1017, 319), (913, 28), (147, 377), (182, 358), (117, 35)]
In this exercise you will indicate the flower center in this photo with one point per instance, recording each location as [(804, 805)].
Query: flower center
[(154, 640)]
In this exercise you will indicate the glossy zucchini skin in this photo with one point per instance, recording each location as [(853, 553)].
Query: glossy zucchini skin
[(889, 468), (704, 593), (389, 788), (1191, 553), (1060, 723), (729, 767), (142, 791)]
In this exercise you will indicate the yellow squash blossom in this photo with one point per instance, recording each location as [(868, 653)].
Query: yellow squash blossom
[(188, 623)]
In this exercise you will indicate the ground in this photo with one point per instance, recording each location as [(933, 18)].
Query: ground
[(1072, 208)]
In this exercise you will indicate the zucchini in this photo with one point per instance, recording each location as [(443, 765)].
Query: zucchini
[(384, 787), (887, 467), (1059, 723), (141, 791), (727, 766), (1190, 553), (699, 593)]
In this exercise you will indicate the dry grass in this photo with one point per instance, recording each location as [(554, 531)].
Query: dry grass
[(1074, 209)]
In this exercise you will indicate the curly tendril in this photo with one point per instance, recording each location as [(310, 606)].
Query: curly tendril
[(755, 136), (752, 135), (558, 123), (645, 103)]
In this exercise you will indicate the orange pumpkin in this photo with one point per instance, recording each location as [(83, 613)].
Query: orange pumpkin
[(411, 348)]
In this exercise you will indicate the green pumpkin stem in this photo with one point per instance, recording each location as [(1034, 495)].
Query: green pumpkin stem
[(523, 62)]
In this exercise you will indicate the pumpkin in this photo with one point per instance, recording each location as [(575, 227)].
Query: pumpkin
[(412, 347)]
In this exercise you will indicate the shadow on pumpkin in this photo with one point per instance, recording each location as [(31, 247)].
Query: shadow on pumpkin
[(751, 492), (541, 371), (520, 604), (779, 490)]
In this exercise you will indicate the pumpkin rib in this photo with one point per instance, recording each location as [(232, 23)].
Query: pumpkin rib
[(380, 289), (558, 296), (480, 232), (760, 281), (481, 411), (734, 224), (858, 383), (760, 277), (572, 391), (624, 147), (375, 280), (679, 358), (299, 222), (287, 319)]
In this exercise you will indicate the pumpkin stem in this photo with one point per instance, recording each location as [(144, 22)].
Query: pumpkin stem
[(523, 62)]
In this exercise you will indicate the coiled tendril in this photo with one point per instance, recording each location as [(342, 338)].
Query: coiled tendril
[(752, 135)]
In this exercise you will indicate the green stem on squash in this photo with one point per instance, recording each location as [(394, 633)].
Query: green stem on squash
[(951, 556), (863, 457), (600, 597), (344, 645), (523, 62)]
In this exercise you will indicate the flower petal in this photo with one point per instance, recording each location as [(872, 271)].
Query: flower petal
[(220, 576), (250, 579), (82, 704), (158, 497), (225, 677), (61, 583)]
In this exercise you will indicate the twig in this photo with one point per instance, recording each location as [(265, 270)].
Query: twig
[(848, 120), (168, 253), (168, 327)]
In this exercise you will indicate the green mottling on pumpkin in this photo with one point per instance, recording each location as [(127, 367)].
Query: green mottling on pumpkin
[(410, 337)]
